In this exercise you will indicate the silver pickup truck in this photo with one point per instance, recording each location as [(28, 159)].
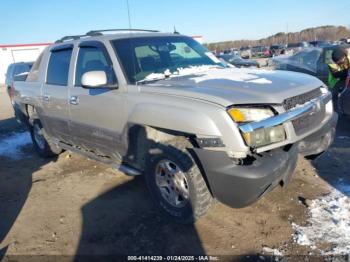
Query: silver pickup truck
[(163, 106)]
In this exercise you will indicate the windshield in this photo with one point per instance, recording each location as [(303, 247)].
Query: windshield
[(164, 55), (306, 59)]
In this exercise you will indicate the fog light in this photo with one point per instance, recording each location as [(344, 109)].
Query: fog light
[(265, 136)]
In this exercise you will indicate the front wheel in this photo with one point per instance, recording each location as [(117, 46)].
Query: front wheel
[(177, 185), (41, 142)]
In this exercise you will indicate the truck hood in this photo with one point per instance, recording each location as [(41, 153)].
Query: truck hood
[(235, 86)]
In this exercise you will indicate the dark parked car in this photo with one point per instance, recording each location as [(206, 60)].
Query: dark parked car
[(261, 51), (319, 43), (238, 61), (18, 71), (296, 47), (314, 61), (277, 50)]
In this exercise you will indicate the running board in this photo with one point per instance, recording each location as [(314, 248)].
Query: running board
[(104, 159)]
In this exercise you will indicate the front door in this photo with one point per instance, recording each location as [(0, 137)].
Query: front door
[(97, 115)]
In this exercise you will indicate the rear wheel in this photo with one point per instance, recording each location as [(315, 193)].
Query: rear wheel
[(177, 185), (42, 144)]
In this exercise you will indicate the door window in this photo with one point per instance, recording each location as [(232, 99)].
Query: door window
[(93, 59), (58, 68)]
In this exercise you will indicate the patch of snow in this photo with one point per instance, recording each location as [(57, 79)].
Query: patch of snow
[(233, 75), (200, 73), (260, 81), (10, 146), (179, 72), (153, 76), (329, 222), (196, 70), (300, 237), (274, 251)]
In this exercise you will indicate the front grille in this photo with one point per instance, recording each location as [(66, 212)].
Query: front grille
[(292, 102), (307, 122)]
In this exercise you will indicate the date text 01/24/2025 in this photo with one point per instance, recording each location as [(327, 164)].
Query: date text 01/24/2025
[(172, 258)]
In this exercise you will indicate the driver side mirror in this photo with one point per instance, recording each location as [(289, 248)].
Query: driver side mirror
[(96, 79)]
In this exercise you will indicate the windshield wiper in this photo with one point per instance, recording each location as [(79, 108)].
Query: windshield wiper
[(144, 81), (156, 77)]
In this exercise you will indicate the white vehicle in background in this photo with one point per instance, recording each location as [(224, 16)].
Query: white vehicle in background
[(245, 52), (10, 54)]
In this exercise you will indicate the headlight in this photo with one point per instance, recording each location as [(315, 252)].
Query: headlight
[(260, 137), (265, 136), (242, 114)]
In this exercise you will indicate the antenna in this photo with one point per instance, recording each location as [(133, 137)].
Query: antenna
[(175, 32), (128, 7), (131, 46)]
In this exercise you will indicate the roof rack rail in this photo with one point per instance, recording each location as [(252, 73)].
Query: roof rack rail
[(100, 32), (69, 37)]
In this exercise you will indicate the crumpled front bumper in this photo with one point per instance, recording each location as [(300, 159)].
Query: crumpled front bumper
[(240, 185), (318, 142)]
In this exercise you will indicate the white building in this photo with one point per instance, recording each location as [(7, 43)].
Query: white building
[(18, 53), (198, 38)]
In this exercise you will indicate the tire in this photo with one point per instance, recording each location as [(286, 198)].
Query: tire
[(41, 142), (171, 169)]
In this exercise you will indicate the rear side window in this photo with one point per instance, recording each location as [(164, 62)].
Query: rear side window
[(33, 75), (22, 68), (58, 68)]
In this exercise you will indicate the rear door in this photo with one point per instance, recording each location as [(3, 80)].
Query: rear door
[(55, 115), (97, 115)]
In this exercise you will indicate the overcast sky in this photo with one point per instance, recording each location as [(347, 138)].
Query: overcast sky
[(33, 21)]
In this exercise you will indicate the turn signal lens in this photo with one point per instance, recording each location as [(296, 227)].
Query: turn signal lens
[(246, 114), (236, 115)]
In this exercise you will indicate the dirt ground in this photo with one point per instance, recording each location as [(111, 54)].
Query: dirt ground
[(75, 206)]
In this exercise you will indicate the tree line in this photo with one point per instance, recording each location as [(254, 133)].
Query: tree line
[(325, 33)]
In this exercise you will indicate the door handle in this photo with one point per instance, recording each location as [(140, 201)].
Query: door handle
[(74, 100), (46, 98)]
